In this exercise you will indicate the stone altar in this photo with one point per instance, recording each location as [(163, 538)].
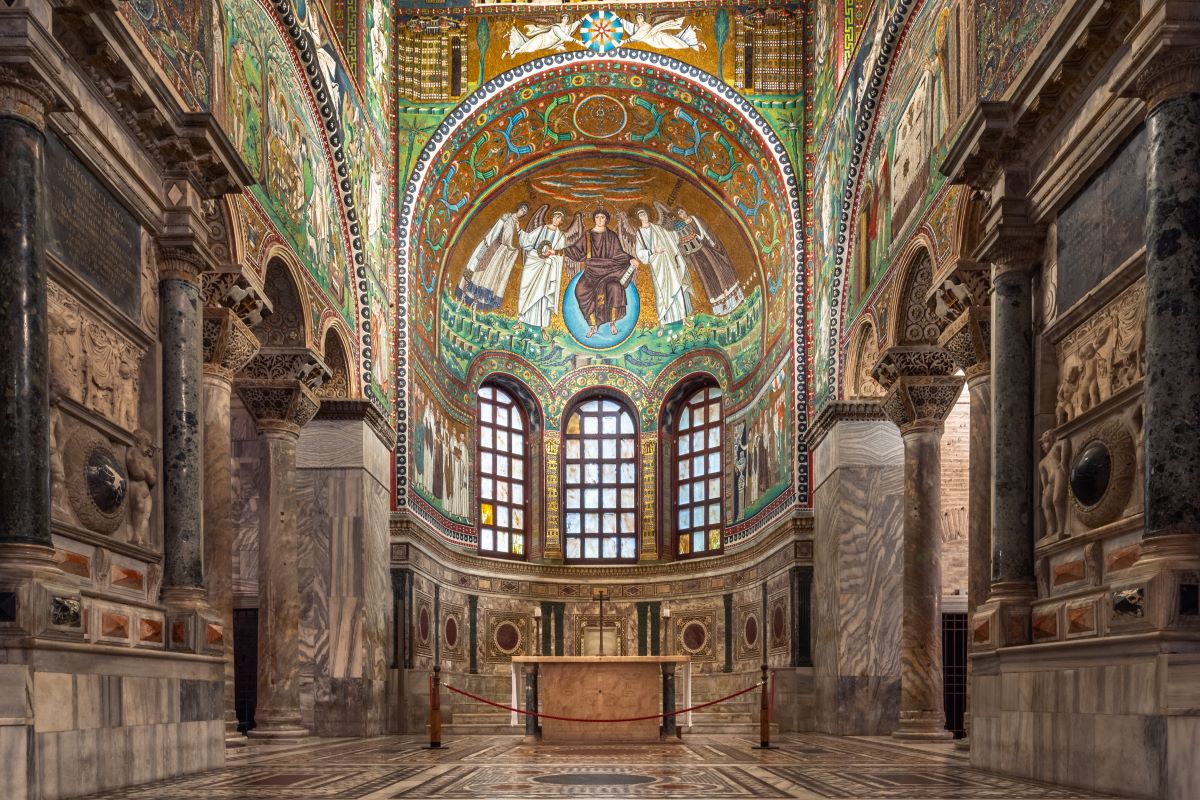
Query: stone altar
[(600, 687)]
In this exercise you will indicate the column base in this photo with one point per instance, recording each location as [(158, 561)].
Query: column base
[(281, 733), (963, 744), (233, 737), (1004, 620), (36, 599), (922, 726)]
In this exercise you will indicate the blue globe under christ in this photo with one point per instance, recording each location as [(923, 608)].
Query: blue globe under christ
[(602, 339)]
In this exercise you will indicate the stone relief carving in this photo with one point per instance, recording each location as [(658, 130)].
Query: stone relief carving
[(950, 300), (59, 506), (1053, 473), (91, 363), (1113, 437), (149, 286), (868, 355), (139, 464), (921, 325), (97, 485), (1103, 356)]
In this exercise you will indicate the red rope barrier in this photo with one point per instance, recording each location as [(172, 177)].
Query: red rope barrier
[(541, 715)]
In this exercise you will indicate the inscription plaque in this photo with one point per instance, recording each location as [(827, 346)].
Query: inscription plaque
[(89, 229)]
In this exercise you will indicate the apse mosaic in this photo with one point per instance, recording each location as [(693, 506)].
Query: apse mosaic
[(603, 223)]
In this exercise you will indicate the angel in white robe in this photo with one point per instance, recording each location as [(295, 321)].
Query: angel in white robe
[(658, 248), (486, 275), (660, 35), (543, 244), (541, 37)]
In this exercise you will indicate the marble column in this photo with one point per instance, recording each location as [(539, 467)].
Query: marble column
[(228, 346), (921, 391), (1172, 385), (24, 359), (281, 406), (967, 338)]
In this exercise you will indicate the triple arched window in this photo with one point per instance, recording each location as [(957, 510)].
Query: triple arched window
[(600, 481)]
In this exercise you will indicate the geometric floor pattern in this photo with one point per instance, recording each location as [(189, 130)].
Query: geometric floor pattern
[(807, 766)]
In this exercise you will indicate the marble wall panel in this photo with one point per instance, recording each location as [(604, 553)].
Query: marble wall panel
[(955, 472), (247, 463), (856, 579)]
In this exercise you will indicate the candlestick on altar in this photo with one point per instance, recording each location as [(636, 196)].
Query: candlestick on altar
[(600, 594)]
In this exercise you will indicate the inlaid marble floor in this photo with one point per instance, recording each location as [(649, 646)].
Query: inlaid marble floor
[(709, 767)]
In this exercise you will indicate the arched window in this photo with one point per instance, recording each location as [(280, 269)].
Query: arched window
[(503, 474), (600, 488), (699, 474)]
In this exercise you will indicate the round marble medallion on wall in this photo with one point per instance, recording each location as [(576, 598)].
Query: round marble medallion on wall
[(1101, 476), (778, 623), (693, 637), (97, 484), (507, 638), (750, 630), (423, 624), (451, 632)]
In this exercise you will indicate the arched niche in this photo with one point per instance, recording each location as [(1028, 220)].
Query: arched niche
[(288, 324)]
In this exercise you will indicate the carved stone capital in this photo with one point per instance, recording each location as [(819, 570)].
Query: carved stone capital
[(1172, 72), (180, 262), (911, 361), (965, 283), (239, 290), (279, 404), (229, 344), (25, 96), (968, 340), (287, 363), (918, 402)]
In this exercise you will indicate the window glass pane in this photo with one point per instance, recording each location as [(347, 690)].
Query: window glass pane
[(627, 448), (697, 466), (502, 466), (698, 542), (685, 445), (714, 463), (591, 548), (627, 472), (685, 493), (685, 419), (485, 489), (573, 449), (714, 487), (591, 498), (518, 493), (487, 539), (610, 406), (685, 469), (610, 547), (609, 521), (628, 548), (502, 415), (518, 469), (572, 523), (608, 448), (485, 463), (698, 416), (502, 396), (627, 498), (714, 437), (591, 523), (502, 541), (591, 473), (609, 473), (628, 523), (591, 449), (573, 425), (714, 539), (714, 513), (698, 490), (590, 425), (573, 474), (610, 498), (485, 437), (485, 412), (518, 519), (518, 545), (502, 490), (501, 516), (485, 513), (685, 518), (685, 545), (572, 498), (518, 444), (626, 423), (485, 391), (573, 548), (501, 440), (698, 440)]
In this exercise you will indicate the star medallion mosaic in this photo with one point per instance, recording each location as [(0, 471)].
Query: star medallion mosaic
[(807, 766)]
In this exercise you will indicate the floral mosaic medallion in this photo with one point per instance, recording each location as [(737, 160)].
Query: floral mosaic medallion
[(602, 32)]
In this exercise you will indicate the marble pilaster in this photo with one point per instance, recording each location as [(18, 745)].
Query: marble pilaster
[(921, 391), (281, 404), (858, 488), (228, 346)]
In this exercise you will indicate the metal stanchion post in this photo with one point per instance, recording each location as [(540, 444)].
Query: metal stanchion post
[(435, 709), (669, 726), (764, 714)]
